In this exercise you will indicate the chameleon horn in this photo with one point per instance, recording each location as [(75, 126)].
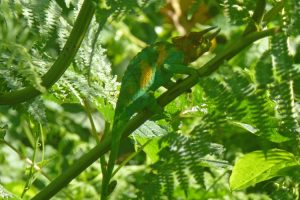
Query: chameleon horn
[(207, 30), (200, 35), (213, 35)]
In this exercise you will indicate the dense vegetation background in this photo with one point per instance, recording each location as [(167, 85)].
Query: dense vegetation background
[(234, 136)]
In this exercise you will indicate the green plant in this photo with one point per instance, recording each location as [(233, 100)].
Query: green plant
[(58, 91)]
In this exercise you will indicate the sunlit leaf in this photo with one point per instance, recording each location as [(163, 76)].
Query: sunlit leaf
[(259, 166)]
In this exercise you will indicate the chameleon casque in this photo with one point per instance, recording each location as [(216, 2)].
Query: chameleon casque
[(150, 69)]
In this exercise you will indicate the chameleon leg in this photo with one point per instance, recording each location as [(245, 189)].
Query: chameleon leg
[(148, 102), (144, 102)]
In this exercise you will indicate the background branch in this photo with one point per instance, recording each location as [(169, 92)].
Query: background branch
[(255, 21)]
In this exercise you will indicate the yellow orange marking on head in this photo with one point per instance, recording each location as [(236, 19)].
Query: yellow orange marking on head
[(146, 75), (213, 44)]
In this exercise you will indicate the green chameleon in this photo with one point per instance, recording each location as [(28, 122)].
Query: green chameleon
[(150, 69)]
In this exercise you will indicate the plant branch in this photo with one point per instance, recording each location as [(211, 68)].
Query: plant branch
[(62, 62), (255, 21), (87, 159), (273, 12)]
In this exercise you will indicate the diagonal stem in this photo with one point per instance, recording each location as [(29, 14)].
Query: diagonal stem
[(255, 21)]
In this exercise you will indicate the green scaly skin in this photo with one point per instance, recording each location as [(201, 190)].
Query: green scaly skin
[(152, 68)]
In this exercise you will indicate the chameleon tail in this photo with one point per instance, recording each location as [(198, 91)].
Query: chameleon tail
[(114, 150)]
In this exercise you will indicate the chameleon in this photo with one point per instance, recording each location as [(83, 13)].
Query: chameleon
[(150, 69)]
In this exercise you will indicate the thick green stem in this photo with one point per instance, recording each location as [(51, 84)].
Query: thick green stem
[(254, 23), (271, 14), (98, 151), (63, 61)]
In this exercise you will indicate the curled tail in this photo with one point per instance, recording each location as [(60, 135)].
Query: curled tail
[(116, 132)]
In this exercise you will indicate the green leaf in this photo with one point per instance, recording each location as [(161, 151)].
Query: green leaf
[(247, 127), (149, 130), (274, 137), (150, 149), (259, 166)]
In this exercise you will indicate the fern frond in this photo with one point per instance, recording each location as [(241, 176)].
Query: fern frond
[(263, 70), (282, 61), (37, 111), (226, 101), (153, 187), (149, 130), (238, 99), (180, 157), (16, 54), (181, 176), (167, 180), (286, 110), (45, 21), (283, 88), (9, 80), (195, 168), (52, 15), (261, 114), (121, 7), (27, 12), (16, 58), (237, 12), (4, 194), (291, 16), (282, 193)]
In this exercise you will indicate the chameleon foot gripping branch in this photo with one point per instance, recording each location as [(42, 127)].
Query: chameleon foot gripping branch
[(153, 67)]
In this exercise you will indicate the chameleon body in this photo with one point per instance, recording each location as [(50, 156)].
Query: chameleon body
[(150, 69)]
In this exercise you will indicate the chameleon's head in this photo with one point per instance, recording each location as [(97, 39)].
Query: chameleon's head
[(195, 44)]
